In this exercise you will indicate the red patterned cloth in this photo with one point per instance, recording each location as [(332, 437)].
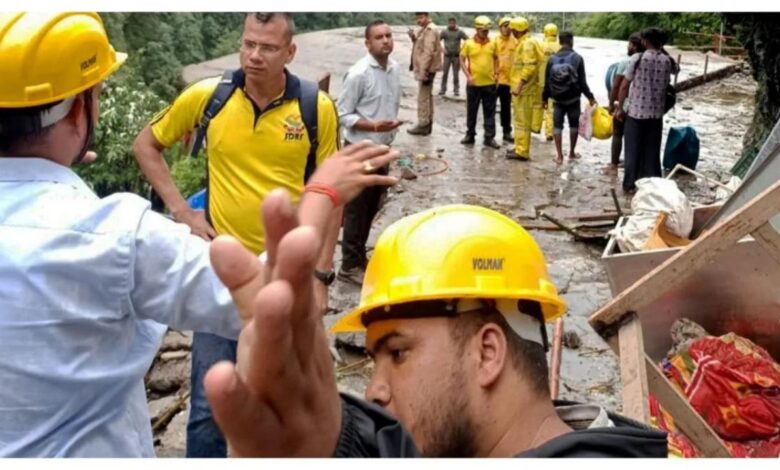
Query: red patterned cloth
[(735, 385)]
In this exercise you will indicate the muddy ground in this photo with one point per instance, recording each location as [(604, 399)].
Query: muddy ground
[(719, 111)]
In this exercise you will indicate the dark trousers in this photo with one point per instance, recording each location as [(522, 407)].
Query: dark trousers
[(451, 62), (505, 98), (358, 215), (617, 140), (486, 95), (204, 439), (643, 149)]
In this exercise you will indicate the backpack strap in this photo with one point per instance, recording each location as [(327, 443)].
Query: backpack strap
[(231, 80), (308, 104)]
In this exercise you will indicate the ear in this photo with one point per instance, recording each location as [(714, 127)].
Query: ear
[(75, 118), (291, 52), (492, 354)]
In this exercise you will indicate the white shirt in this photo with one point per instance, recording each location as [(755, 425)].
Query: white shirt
[(372, 93), (87, 287)]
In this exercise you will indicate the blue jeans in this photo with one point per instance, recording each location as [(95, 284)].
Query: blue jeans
[(204, 439)]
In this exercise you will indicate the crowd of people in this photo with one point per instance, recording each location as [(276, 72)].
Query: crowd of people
[(89, 285), (540, 84)]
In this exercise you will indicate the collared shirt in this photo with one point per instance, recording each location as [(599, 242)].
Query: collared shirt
[(452, 39), (505, 49), (481, 57), (87, 286), (647, 93), (249, 154), (372, 93), (426, 52)]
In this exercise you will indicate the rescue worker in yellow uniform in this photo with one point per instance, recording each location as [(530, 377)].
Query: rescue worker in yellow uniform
[(479, 63), (524, 80), (550, 46), (505, 49)]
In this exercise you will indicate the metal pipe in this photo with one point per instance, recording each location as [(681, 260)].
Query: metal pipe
[(555, 362)]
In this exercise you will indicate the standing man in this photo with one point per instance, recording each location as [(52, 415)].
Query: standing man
[(634, 46), (525, 86), (452, 36), (505, 49), (479, 62), (550, 47), (368, 110), (256, 143), (426, 61), (564, 82), (646, 78)]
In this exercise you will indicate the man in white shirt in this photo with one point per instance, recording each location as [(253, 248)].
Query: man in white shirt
[(368, 109)]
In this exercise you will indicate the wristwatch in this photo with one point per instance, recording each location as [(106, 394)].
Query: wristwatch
[(326, 278)]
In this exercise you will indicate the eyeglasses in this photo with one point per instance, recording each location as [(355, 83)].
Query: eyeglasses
[(264, 49)]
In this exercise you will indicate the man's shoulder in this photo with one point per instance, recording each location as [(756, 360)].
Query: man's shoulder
[(203, 87)]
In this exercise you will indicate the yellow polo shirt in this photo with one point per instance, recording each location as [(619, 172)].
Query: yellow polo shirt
[(505, 48), (480, 56), (249, 154)]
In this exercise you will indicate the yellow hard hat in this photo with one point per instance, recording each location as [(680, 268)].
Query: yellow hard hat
[(519, 24), (482, 22), (452, 253), (47, 57), (504, 20), (550, 30)]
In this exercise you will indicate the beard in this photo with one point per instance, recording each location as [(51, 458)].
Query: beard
[(447, 427)]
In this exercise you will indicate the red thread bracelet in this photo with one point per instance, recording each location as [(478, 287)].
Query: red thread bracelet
[(325, 189)]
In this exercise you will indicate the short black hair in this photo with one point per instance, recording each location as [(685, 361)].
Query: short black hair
[(19, 127), (371, 25), (566, 37), (421, 13), (655, 36), (636, 40), (527, 357), (267, 17), (452, 19)]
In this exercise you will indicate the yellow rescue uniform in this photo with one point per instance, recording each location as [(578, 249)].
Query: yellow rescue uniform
[(250, 152), (525, 68), (550, 47), (505, 49)]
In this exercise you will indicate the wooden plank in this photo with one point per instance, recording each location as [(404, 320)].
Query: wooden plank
[(685, 417), (767, 237), (682, 265), (632, 370)]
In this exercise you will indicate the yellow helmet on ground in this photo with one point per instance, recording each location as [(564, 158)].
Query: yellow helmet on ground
[(550, 30), (504, 21), (452, 253), (47, 57), (519, 24), (482, 22)]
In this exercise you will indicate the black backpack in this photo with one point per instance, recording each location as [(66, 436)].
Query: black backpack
[(564, 80), (231, 80), (670, 98)]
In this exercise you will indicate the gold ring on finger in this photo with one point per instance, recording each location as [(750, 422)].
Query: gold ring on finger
[(368, 167)]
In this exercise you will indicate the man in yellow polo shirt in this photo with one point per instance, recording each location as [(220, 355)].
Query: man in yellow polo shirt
[(257, 142), (479, 62), (505, 49)]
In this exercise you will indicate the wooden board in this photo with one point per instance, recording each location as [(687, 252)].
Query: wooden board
[(767, 237), (632, 370), (679, 267)]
